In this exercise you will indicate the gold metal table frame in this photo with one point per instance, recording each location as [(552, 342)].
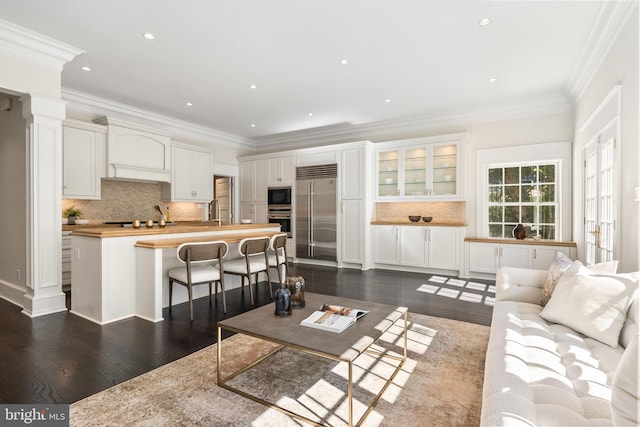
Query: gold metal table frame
[(349, 359)]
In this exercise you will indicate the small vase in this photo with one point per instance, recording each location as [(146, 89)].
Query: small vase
[(283, 301), (519, 232), (296, 287), (71, 219)]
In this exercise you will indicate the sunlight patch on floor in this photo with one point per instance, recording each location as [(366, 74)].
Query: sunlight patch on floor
[(464, 290)]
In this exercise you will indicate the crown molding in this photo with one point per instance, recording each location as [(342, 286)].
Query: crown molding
[(34, 47), (610, 21), (100, 107), (384, 130)]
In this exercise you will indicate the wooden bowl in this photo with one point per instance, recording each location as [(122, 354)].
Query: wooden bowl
[(427, 218), (414, 218)]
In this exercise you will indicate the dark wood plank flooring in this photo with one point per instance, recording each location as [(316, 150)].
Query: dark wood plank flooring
[(62, 358)]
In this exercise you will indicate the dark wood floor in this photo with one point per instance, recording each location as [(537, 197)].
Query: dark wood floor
[(62, 358)]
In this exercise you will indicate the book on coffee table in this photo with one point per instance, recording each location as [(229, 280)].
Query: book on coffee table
[(333, 318)]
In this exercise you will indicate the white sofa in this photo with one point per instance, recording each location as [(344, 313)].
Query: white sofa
[(539, 373)]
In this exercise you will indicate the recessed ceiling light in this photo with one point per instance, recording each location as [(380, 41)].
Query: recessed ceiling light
[(492, 80), (86, 68), (252, 125), (253, 87), (189, 104), (310, 114), (387, 100), (344, 61), (149, 36), (485, 21)]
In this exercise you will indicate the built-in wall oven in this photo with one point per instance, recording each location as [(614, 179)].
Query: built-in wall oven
[(281, 216), (279, 199)]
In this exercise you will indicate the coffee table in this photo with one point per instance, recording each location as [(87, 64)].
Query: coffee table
[(343, 347)]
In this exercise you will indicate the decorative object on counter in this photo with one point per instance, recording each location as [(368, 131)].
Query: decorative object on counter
[(136, 223), (296, 287), (245, 221), (65, 221), (162, 222), (519, 232), (72, 213), (149, 223), (414, 218), (157, 207), (82, 221), (427, 218), (168, 214), (283, 301)]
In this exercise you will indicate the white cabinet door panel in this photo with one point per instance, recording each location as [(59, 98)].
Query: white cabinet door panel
[(444, 248), (385, 241), (413, 246)]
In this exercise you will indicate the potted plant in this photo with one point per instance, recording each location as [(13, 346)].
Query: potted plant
[(72, 213)]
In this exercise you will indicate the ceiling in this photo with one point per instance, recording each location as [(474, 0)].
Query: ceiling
[(406, 59)]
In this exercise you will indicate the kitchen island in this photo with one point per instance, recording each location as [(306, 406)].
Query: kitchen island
[(122, 272)]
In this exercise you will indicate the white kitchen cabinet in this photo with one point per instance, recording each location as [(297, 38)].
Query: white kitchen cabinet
[(543, 255), (83, 159), (191, 175), (421, 168), (487, 257), (253, 181), (353, 238), (353, 219), (256, 212), (281, 172), (386, 246), (430, 247)]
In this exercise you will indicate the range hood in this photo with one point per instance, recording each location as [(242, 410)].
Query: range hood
[(137, 152)]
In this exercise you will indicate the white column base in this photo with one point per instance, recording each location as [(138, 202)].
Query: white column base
[(41, 305)]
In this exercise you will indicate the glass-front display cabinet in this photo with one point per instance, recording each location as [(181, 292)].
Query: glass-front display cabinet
[(423, 168)]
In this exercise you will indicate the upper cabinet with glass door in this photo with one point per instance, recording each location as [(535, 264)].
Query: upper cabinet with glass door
[(421, 168)]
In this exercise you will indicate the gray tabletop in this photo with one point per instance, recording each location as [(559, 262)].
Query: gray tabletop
[(347, 345)]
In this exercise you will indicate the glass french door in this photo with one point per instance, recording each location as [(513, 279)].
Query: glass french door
[(600, 196)]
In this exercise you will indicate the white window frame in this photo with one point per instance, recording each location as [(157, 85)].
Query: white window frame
[(557, 185), (548, 152)]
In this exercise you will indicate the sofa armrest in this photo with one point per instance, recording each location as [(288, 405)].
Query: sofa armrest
[(520, 284)]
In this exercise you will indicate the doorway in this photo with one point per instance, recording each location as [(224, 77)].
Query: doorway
[(222, 204), (600, 195)]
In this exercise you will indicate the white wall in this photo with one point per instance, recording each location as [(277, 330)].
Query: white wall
[(620, 67), (13, 185)]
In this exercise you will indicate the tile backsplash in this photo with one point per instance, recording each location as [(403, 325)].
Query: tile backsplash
[(399, 211), (125, 200)]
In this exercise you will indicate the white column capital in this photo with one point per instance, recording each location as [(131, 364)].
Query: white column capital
[(34, 105)]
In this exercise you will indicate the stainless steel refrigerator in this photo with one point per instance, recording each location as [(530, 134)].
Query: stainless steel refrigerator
[(316, 212)]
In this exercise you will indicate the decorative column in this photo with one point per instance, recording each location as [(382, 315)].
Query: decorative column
[(43, 205)]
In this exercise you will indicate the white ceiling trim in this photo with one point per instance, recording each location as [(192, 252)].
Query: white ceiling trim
[(611, 20), (79, 101), (34, 47), (383, 130)]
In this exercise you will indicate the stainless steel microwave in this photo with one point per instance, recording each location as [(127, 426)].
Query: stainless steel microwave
[(279, 196)]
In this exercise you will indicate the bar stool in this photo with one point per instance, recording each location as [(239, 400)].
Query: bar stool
[(254, 260), (198, 270), (278, 254)]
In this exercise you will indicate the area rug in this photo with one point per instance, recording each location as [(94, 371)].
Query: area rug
[(439, 384)]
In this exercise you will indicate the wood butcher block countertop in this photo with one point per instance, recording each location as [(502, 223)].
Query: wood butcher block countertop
[(520, 242), (174, 243), (110, 231)]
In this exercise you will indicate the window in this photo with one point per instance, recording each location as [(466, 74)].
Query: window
[(523, 194)]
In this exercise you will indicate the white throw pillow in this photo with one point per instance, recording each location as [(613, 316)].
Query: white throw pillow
[(624, 388), (594, 305)]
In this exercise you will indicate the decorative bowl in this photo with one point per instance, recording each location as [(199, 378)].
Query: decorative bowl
[(245, 221), (82, 221), (65, 221), (427, 218), (414, 218)]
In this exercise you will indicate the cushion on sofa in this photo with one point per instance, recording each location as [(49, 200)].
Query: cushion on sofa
[(594, 305), (562, 265), (624, 389), (559, 265)]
